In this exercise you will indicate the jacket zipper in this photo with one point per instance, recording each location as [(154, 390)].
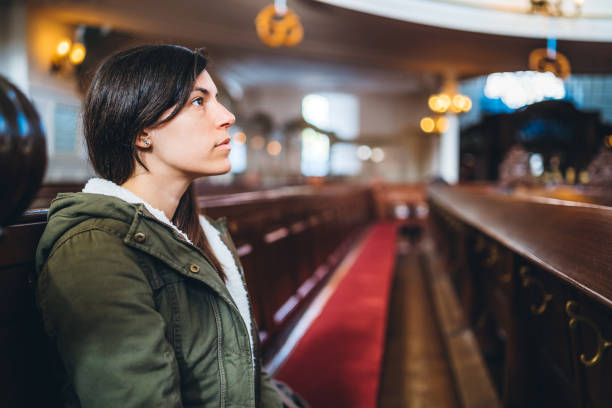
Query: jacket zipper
[(254, 358), (231, 304), (220, 354)]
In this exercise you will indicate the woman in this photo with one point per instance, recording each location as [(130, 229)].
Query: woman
[(144, 298)]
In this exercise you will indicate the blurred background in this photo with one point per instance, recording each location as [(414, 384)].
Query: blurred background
[(352, 118), (388, 91)]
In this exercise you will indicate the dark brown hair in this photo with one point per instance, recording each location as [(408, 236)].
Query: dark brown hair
[(129, 93)]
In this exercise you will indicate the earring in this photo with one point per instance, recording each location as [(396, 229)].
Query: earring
[(146, 142)]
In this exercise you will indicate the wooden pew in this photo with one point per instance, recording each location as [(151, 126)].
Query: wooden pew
[(534, 279), (289, 239), (28, 360)]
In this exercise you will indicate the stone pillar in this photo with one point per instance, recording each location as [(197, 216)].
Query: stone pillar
[(449, 151)]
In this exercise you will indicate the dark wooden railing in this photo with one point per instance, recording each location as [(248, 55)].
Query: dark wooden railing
[(289, 239), (534, 278)]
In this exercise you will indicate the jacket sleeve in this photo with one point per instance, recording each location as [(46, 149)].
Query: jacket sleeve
[(98, 307), (269, 394), (278, 394)]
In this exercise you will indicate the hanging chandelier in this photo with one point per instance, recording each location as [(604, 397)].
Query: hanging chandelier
[(557, 8)]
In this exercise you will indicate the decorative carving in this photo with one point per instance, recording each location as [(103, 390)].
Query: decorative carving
[(529, 281), (602, 344)]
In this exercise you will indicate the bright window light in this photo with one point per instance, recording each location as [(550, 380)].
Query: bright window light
[(315, 153), (334, 112), (344, 160), (536, 164), (315, 110), (517, 89), (238, 154)]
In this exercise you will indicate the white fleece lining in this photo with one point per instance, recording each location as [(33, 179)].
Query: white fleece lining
[(108, 188), (234, 281)]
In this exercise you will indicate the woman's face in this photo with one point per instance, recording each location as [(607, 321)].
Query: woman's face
[(196, 142)]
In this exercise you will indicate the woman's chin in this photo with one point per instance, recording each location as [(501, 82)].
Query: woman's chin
[(221, 170)]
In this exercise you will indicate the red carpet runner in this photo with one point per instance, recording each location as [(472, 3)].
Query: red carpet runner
[(338, 361)]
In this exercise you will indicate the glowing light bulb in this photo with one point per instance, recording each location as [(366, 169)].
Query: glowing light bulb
[(77, 54), (427, 124), (378, 155), (441, 124), (364, 152), (257, 142), (467, 106), (274, 148), (445, 102), (458, 103), (63, 48), (433, 103), (240, 138)]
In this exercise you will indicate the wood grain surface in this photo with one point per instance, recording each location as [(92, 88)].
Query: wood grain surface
[(571, 240)]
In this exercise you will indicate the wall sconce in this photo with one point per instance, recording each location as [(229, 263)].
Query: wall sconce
[(68, 54)]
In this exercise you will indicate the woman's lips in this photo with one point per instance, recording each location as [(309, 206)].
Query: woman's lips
[(224, 144)]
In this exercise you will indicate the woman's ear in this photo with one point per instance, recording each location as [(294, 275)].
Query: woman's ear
[(144, 140)]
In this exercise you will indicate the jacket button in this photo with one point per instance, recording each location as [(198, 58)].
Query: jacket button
[(140, 237), (194, 268)]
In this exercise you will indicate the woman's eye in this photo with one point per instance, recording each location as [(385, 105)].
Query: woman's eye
[(198, 101)]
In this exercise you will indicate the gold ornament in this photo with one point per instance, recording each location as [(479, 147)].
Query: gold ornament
[(275, 31), (540, 61)]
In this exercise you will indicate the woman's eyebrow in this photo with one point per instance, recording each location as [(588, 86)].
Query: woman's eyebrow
[(204, 91)]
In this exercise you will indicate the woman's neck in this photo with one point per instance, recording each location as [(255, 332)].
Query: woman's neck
[(163, 193)]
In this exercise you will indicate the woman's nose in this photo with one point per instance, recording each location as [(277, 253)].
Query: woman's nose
[(227, 118)]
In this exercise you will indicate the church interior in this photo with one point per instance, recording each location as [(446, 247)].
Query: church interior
[(420, 190)]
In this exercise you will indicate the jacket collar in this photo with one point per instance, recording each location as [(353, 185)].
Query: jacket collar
[(108, 188), (177, 253)]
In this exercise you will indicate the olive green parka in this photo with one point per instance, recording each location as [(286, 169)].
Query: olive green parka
[(140, 317)]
